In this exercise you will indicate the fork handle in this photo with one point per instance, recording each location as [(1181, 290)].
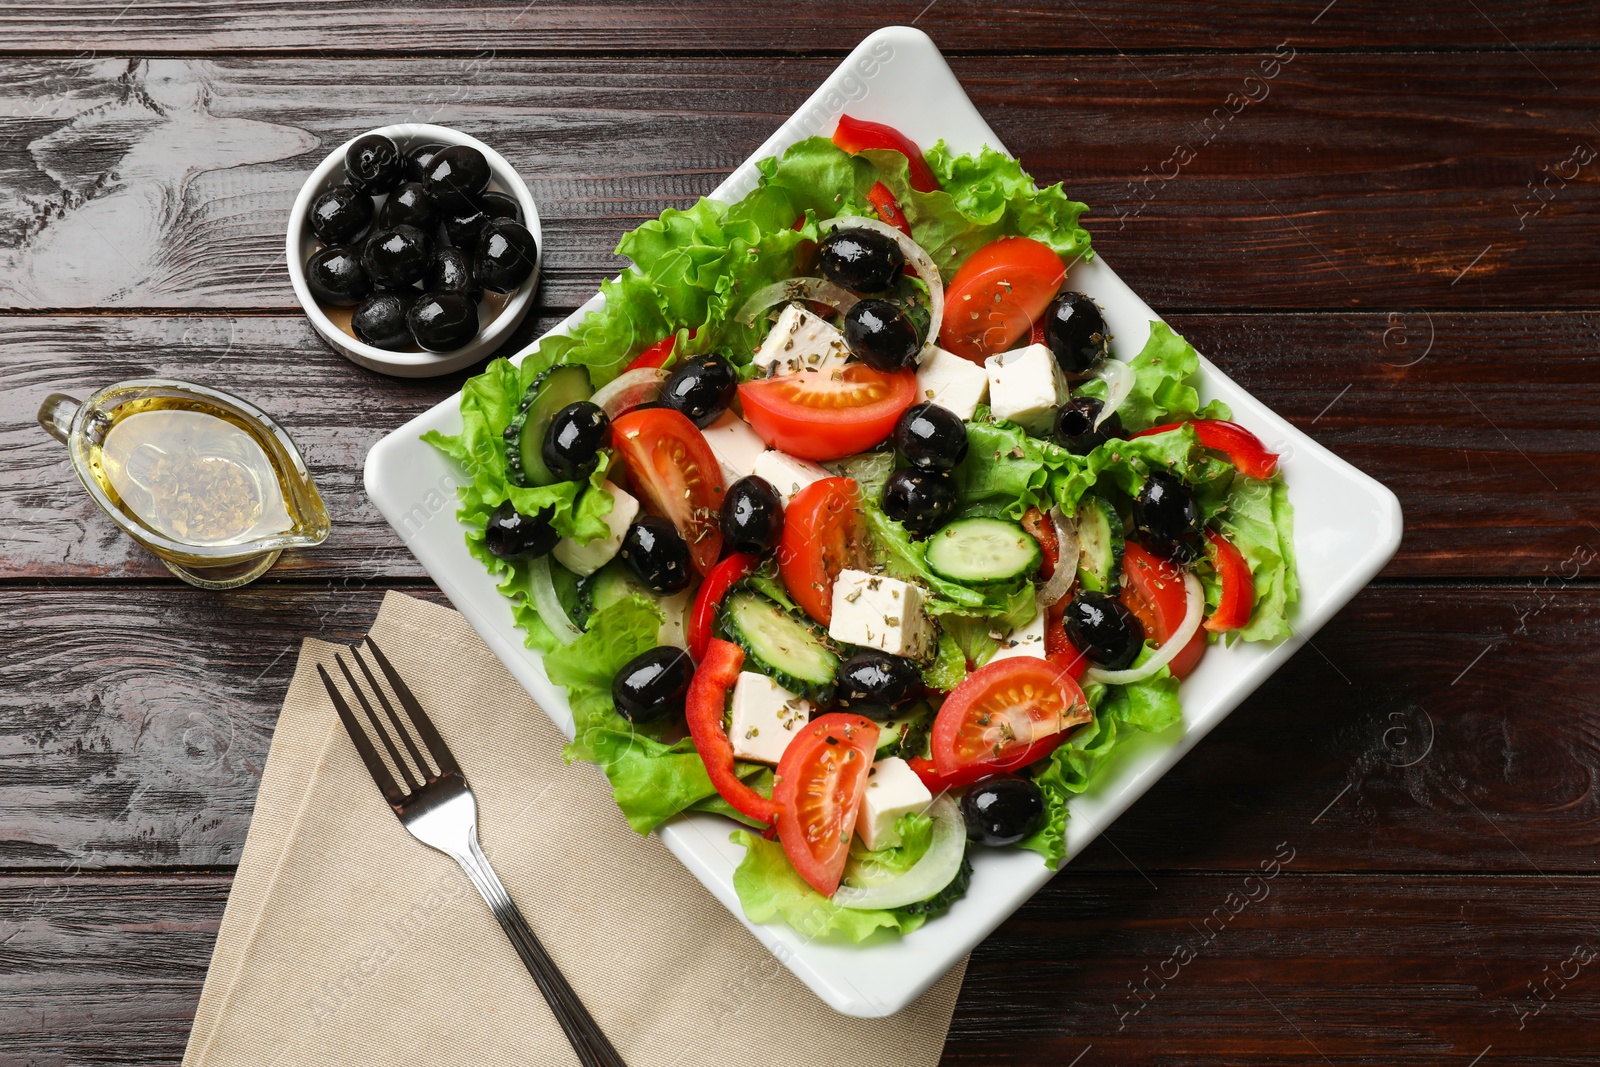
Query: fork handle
[(585, 1035)]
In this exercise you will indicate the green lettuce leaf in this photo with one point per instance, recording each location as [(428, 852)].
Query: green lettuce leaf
[(1008, 465), (867, 868), (1161, 388), (770, 890), (949, 665), (1258, 519)]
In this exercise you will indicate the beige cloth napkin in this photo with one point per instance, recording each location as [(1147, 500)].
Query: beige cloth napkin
[(347, 942)]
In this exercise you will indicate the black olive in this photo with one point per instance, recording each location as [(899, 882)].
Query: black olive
[(862, 260), (418, 158), (498, 205), (701, 388), (752, 515), (456, 175), (1075, 425), (573, 440), (463, 225), (397, 257), (876, 684), (931, 437), (506, 255), (452, 271), (340, 214), (335, 277), (409, 205), (1104, 630), (443, 321), (512, 535), (380, 320), (373, 164), (656, 554), (881, 335), (653, 684), (922, 500), (1075, 330), (1165, 514), (1002, 810)]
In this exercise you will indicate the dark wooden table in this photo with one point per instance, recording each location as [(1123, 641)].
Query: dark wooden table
[(1392, 240)]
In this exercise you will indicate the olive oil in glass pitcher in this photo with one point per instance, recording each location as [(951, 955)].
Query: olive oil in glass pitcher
[(208, 483)]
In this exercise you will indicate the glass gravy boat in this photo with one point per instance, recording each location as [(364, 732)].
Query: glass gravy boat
[(208, 483)]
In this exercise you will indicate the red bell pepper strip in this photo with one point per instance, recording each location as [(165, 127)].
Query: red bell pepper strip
[(855, 135), (888, 208), (657, 354), (703, 618), (717, 672), (972, 772), (1238, 595), (1042, 530), (1245, 450)]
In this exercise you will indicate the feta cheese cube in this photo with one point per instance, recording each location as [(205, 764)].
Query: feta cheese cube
[(584, 558), (801, 341), (735, 445), (876, 611), (787, 474), (674, 616), (1026, 386), (1023, 641), (765, 717), (946, 379), (893, 789)]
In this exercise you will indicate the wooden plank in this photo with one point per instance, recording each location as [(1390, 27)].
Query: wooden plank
[(1427, 729), (1436, 406), (1294, 968), (1357, 181), (707, 28)]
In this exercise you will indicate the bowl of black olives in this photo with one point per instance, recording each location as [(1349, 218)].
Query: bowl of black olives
[(414, 249)]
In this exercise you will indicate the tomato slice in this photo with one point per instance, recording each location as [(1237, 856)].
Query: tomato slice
[(703, 618), (675, 472), (827, 416), (718, 671), (1000, 711), (888, 208), (936, 782), (996, 294), (824, 533), (1238, 595), (1152, 588), (857, 135), (820, 782), (1243, 448)]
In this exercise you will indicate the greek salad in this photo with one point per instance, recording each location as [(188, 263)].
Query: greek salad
[(845, 518)]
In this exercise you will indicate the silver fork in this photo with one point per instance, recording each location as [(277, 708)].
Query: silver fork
[(436, 806)]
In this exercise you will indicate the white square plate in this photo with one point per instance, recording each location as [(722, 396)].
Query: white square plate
[(1347, 526)]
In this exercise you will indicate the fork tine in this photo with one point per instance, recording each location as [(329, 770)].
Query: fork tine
[(394, 720), (369, 755), (412, 784), (419, 718)]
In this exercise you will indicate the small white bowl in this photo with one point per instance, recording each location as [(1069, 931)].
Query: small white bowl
[(302, 243)]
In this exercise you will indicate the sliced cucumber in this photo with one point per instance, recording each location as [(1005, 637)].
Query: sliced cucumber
[(1100, 543), (563, 384), (982, 552), (786, 648), (605, 587), (906, 735)]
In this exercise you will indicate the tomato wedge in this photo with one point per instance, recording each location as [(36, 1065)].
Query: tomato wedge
[(1152, 588), (708, 690), (999, 713), (888, 208), (703, 618), (996, 294), (1042, 530), (824, 533), (820, 782), (827, 416), (937, 783), (857, 135), (1238, 587), (1243, 448), (675, 472)]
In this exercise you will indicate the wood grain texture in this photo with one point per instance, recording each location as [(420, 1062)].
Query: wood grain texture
[(713, 28), (1436, 406), (1356, 181), (1288, 969), (1422, 731)]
